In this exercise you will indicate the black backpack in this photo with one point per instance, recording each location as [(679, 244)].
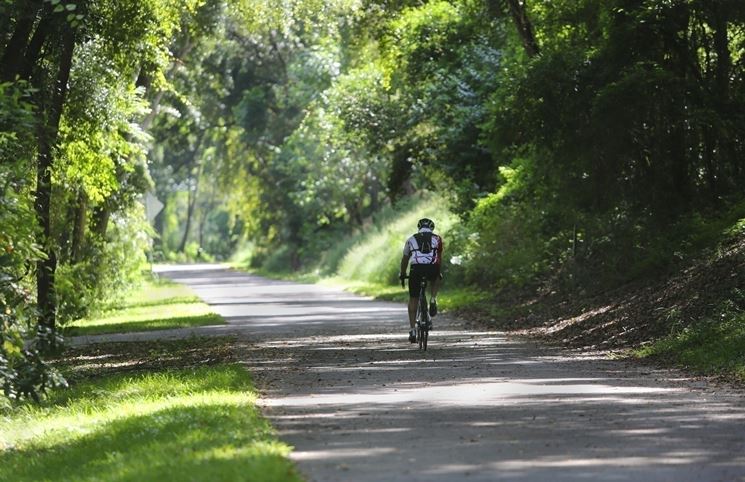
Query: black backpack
[(424, 240)]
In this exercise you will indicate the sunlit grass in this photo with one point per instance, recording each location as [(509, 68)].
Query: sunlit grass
[(174, 425), (155, 306), (160, 291), (374, 256)]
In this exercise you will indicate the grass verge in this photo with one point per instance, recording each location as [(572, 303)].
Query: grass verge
[(147, 411), (157, 305), (712, 347)]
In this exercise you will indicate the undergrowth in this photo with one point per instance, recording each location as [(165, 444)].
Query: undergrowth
[(710, 346)]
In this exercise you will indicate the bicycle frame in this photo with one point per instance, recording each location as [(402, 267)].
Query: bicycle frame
[(422, 316)]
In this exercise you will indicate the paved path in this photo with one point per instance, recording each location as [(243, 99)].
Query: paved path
[(341, 384)]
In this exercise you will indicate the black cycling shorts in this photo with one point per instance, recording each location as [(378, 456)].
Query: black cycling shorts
[(419, 271)]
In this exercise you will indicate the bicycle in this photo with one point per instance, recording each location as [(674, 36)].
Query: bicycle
[(423, 318)]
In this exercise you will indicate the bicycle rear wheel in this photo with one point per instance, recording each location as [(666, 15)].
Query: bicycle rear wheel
[(422, 322), (418, 325)]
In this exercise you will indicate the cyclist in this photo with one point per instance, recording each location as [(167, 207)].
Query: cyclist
[(424, 250)]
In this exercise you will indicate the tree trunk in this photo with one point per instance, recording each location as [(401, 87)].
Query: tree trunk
[(399, 178), (189, 214), (192, 195), (47, 139), (678, 112), (726, 155), (721, 47), (10, 63), (519, 13), (34, 47), (101, 217), (203, 220)]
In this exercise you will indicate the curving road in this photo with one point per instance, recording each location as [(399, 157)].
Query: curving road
[(358, 402)]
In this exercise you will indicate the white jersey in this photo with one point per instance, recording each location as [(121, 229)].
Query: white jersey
[(412, 249)]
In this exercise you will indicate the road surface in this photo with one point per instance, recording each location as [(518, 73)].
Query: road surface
[(341, 383)]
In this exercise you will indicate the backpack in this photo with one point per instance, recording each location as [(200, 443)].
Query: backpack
[(424, 240)]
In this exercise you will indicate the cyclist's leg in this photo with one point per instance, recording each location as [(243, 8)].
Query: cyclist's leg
[(435, 280), (415, 277), (434, 287), (413, 302)]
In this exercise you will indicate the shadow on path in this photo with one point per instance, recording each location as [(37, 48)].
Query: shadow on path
[(341, 383), (478, 407)]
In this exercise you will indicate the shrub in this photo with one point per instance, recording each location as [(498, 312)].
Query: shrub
[(22, 372)]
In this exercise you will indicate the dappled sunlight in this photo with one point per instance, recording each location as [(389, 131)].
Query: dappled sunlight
[(377, 388), (343, 385), (584, 316), (480, 393), (340, 453)]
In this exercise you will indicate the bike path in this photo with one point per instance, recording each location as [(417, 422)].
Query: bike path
[(341, 383)]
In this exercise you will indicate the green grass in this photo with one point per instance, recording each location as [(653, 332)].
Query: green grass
[(711, 347), (157, 305), (191, 424)]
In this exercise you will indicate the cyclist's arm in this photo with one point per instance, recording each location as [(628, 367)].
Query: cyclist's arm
[(405, 258), (404, 264)]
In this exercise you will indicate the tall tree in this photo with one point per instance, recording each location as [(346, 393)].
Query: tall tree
[(48, 131)]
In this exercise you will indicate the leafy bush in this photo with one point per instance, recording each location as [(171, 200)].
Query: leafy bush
[(277, 261), (108, 269), (22, 372)]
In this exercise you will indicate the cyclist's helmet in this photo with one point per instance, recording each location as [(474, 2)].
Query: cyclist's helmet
[(426, 223)]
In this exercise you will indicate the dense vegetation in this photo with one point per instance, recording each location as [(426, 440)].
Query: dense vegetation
[(566, 140)]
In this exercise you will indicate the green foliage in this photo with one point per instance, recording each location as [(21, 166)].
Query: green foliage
[(83, 60), (23, 374), (423, 38), (102, 151), (616, 126), (502, 243), (110, 267)]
